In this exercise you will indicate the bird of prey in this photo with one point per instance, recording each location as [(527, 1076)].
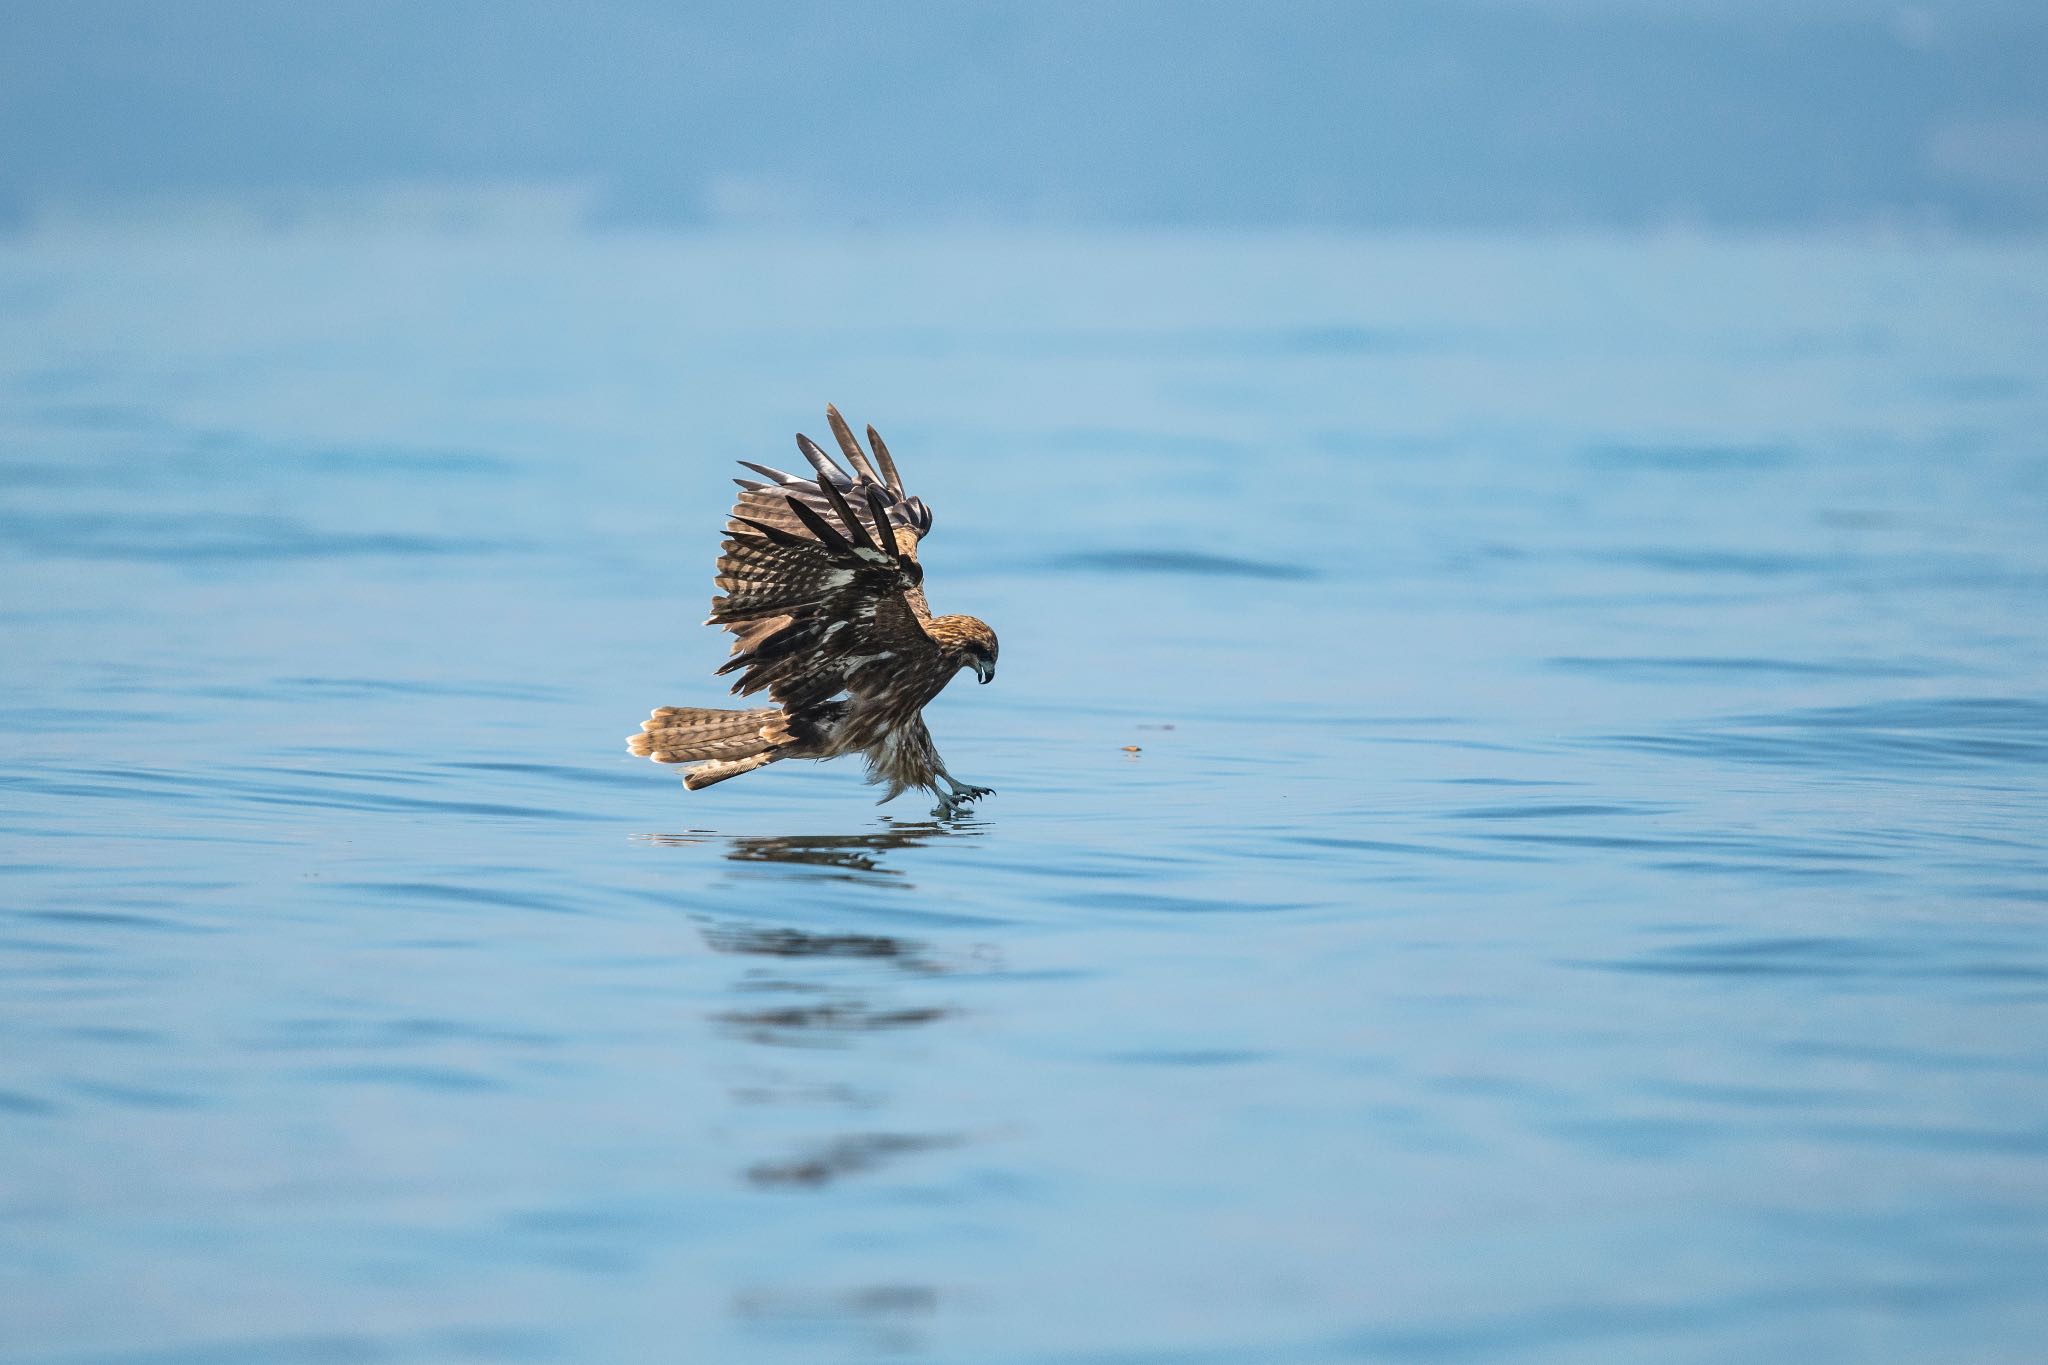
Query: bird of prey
[(824, 596)]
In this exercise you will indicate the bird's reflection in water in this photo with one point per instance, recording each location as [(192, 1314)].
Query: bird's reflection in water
[(845, 1156), (839, 994), (835, 1013), (781, 942), (844, 857), (830, 1022), (886, 1318)]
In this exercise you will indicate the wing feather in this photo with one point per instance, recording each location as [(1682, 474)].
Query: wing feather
[(856, 532), (821, 600), (821, 530), (850, 447), (894, 479), (767, 502)]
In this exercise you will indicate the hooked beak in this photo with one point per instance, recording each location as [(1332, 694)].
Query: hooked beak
[(984, 672)]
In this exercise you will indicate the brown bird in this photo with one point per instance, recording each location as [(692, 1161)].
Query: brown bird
[(825, 600)]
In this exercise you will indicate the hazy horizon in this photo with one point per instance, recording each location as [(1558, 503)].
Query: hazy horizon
[(1460, 117)]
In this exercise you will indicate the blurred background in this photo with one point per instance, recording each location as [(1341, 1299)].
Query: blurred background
[(1483, 114), (1516, 531)]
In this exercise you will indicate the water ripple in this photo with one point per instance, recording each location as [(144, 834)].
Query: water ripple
[(1184, 562), (219, 538), (1897, 735), (1706, 668)]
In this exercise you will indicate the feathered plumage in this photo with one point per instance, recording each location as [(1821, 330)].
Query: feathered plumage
[(824, 596)]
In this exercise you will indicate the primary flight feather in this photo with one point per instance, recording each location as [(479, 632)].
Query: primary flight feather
[(824, 596)]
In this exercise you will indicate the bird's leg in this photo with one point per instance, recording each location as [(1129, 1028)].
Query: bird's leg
[(961, 791), (957, 795)]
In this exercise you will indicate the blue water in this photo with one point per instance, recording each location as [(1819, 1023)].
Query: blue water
[(1522, 834)]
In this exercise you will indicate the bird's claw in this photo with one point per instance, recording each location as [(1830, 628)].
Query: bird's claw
[(956, 801)]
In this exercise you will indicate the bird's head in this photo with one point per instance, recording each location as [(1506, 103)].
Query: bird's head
[(968, 641)]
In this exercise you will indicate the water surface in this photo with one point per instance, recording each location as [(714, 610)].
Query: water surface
[(1522, 834)]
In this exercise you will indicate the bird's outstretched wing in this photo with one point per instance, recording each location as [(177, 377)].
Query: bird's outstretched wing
[(821, 579), (769, 502)]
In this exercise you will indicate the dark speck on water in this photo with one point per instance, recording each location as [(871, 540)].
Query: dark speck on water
[(1582, 898)]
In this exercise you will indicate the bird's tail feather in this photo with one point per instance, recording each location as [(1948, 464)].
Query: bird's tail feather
[(734, 741), (704, 774)]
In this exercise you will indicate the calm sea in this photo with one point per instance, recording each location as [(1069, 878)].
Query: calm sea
[(1522, 833)]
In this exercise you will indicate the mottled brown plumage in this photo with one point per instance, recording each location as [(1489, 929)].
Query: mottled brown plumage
[(824, 596)]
